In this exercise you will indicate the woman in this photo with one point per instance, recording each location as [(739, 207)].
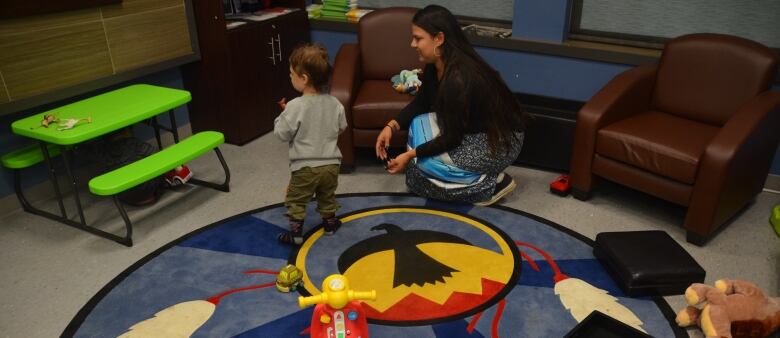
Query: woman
[(465, 125)]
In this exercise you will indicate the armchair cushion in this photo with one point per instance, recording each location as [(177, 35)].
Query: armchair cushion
[(376, 103), (658, 142)]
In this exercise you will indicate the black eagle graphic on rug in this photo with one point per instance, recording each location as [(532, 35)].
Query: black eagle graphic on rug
[(412, 266)]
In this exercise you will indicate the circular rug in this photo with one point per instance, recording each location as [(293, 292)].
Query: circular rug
[(438, 269)]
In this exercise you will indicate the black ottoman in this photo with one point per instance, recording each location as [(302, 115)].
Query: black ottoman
[(647, 262)]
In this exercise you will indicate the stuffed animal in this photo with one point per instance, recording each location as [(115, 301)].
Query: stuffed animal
[(732, 309), (408, 81)]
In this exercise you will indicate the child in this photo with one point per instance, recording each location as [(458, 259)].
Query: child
[(311, 125)]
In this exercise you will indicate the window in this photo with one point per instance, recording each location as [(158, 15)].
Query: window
[(651, 23)]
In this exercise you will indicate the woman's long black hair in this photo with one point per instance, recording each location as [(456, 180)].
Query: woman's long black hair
[(468, 78)]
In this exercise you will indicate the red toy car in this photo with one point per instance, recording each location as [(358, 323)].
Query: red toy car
[(560, 186)]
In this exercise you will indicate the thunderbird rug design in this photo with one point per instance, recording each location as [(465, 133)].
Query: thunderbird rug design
[(439, 270)]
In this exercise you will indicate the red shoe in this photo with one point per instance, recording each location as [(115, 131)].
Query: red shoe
[(178, 176), (560, 186)]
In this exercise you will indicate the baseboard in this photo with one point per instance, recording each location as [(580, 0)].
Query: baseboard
[(42, 192)]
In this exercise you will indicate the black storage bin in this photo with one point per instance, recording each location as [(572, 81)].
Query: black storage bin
[(647, 262)]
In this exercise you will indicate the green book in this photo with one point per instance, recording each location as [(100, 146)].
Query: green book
[(336, 8), (339, 2), (334, 18), (326, 12)]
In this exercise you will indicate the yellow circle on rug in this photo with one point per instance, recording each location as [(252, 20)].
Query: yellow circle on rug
[(423, 275)]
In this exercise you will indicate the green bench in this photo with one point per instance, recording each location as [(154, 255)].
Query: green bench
[(27, 157), (133, 174)]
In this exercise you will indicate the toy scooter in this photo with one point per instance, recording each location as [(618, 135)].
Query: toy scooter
[(338, 313)]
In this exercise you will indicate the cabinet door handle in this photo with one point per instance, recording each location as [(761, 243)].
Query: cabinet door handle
[(279, 42), (273, 51)]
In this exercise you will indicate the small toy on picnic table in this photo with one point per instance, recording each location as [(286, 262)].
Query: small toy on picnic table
[(47, 120), (70, 123)]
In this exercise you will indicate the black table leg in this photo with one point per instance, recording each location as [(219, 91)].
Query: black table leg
[(225, 186), (156, 127), (67, 160), (174, 129), (53, 178)]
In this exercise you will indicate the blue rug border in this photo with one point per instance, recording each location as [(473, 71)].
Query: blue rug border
[(81, 316)]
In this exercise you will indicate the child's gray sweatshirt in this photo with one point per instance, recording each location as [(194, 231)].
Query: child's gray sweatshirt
[(311, 124)]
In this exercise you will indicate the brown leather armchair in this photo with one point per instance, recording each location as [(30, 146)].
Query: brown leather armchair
[(361, 78), (699, 129)]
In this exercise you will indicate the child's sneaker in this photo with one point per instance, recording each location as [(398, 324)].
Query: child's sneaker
[(178, 176), (331, 225), (294, 236)]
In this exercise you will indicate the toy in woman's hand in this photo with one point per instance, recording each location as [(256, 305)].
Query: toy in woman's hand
[(338, 312), (408, 81), (733, 308)]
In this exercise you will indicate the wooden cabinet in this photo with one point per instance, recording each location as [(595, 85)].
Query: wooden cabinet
[(243, 71)]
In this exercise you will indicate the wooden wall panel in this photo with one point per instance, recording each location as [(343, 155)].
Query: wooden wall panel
[(44, 56), (38, 61), (155, 36), (138, 6), (20, 8), (41, 22), (3, 92)]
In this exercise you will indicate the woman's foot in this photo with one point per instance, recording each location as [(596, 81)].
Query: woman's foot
[(504, 185)]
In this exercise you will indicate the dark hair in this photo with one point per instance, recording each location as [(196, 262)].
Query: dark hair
[(468, 77), (311, 59)]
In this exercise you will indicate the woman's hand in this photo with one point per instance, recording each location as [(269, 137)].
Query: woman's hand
[(383, 140), (399, 163)]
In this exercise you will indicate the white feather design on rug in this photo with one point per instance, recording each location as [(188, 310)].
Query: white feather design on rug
[(180, 320), (581, 298)]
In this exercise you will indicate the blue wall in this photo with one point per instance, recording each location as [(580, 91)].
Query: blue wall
[(9, 141), (552, 76)]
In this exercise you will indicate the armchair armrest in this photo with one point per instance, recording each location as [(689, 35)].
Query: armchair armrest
[(345, 82), (734, 165), (346, 76), (627, 94)]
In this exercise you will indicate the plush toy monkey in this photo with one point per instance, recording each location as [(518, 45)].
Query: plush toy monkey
[(732, 309)]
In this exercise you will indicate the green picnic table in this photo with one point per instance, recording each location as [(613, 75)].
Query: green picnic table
[(107, 113)]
